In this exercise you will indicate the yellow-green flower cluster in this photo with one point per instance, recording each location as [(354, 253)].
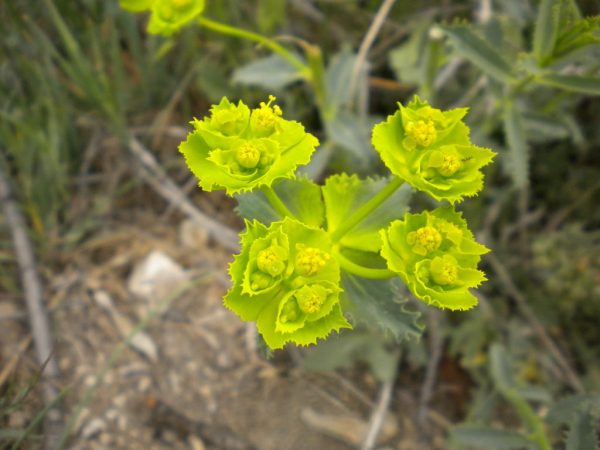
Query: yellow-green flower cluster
[(436, 256), (167, 16), (239, 149), (285, 280), (430, 149)]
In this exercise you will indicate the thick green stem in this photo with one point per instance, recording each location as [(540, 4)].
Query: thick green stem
[(276, 202), (251, 36), (361, 271), (366, 209), (530, 418)]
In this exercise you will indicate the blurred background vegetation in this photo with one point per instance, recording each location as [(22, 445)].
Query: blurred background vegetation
[(79, 78)]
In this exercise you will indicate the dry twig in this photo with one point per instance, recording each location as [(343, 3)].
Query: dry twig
[(436, 342), (378, 415), (38, 317), (366, 44), (160, 181)]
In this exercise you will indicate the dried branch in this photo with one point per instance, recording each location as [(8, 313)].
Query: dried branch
[(436, 343), (381, 408), (154, 174), (38, 317), (366, 44)]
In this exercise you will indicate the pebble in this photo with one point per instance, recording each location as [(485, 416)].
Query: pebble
[(93, 428)]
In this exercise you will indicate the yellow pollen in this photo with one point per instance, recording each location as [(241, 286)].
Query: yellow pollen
[(424, 240), (444, 270), (180, 3), (423, 132), (247, 155), (450, 165), (271, 260), (310, 260), (311, 298), (264, 119)]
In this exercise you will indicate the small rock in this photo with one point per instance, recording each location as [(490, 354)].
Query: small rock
[(196, 443), (155, 277), (8, 310), (93, 428), (105, 439), (191, 235), (349, 429), (144, 384)]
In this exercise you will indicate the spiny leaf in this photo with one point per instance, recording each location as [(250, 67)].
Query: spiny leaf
[(582, 434), (378, 303)]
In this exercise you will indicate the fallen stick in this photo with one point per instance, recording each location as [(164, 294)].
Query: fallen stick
[(154, 174), (36, 310)]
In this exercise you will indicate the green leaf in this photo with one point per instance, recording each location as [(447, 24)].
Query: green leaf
[(407, 59), (343, 350), (565, 409), (582, 434), (546, 30), (575, 83), (518, 149), (301, 196), (337, 78), (500, 368), (271, 73), (488, 438), (378, 303), (582, 33), (479, 52), (343, 194), (349, 132)]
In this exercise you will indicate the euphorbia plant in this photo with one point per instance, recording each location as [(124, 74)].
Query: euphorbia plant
[(289, 276)]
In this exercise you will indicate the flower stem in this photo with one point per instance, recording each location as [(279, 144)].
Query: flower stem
[(366, 209), (361, 271), (276, 202), (251, 36)]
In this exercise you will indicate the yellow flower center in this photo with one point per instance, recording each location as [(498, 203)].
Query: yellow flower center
[(422, 132), (311, 298), (310, 260), (247, 155), (444, 271), (424, 240), (271, 260), (180, 3), (265, 118), (450, 165)]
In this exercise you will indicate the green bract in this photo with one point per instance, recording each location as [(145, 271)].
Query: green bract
[(136, 5), (286, 280), (436, 255), (431, 150), (238, 149), (168, 16)]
